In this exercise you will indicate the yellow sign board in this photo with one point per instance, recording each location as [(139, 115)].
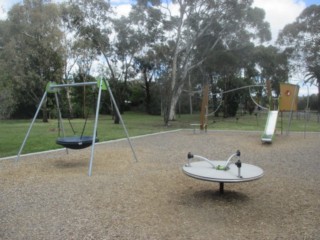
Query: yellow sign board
[(288, 97)]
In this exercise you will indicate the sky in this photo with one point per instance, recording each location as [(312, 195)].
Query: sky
[(278, 13)]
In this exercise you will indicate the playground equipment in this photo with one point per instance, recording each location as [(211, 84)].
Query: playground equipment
[(288, 101), (78, 142), (204, 113), (221, 171), (204, 109), (269, 130)]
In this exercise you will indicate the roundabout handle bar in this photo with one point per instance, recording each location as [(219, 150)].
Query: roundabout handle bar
[(190, 156), (238, 164), (237, 154)]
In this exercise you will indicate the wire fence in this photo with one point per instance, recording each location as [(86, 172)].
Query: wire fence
[(306, 115)]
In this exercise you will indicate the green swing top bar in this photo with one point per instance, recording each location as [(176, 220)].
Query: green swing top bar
[(72, 84), (51, 86)]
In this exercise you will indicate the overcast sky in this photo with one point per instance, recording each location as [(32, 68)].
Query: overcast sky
[(278, 12)]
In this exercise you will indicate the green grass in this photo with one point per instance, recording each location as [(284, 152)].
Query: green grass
[(43, 135)]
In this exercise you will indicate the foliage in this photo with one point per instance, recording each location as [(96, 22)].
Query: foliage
[(302, 42), (33, 48), (197, 30), (149, 56), (273, 66), (7, 106), (308, 103)]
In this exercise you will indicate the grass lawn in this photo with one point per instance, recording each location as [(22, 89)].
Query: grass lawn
[(43, 135)]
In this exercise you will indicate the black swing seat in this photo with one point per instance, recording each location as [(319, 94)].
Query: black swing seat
[(76, 142)]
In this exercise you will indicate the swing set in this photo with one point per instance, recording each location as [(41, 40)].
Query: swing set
[(82, 141)]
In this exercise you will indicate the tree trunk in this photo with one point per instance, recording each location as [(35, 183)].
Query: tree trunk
[(45, 113), (116, 118), (173, 103), (172, 107), (190, 96), (169, 112), (148, 95)]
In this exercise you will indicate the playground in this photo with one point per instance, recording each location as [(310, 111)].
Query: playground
[(50, 196)]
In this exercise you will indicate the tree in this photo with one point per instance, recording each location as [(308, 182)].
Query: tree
[(220, 22), (7, 72), (34, 41), (146, 67), (148, 32), (302, 42), (272, 66), (126, 44), (88, 24)]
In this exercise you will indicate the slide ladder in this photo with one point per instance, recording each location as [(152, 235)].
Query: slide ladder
[(269, 130)]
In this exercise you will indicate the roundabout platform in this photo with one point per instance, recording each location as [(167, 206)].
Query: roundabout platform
[(221, 171)]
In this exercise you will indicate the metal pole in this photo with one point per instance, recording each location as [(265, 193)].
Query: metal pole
[(281, 122), (33, 120), (73, 84), (121, 120), (59, 114), (306, 114), (95, 129), (236, 89), (291, 112), (60, 117)]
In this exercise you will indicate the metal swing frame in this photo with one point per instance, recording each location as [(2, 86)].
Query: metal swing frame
[(52, 88), (74, 142)]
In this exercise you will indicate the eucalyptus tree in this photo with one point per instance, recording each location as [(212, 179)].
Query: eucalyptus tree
[(7, 72), (220, 22), (35, 43), (302, 41), (131, 48), (114, 39), (229, 69), (226, 67), (146, 68), (125, 45), (85, 56), (247, 65), (89, 25), (74, 49), (272, 65), (148, 34)]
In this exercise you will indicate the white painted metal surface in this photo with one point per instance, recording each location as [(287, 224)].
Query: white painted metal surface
[(204, 171), (267, 136)]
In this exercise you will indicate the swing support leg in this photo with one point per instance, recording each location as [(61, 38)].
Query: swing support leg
[(96, 124), (95, 130), (121, 120), (30, 127)]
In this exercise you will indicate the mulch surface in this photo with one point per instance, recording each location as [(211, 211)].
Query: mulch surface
[(50, 195)]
